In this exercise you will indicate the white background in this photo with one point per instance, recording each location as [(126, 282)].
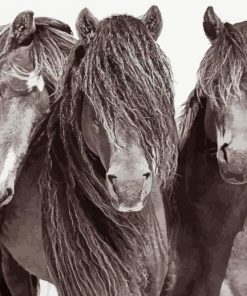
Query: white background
[(182, 38)]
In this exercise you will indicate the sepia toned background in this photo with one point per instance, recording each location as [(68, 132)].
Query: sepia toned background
[(182, 38)]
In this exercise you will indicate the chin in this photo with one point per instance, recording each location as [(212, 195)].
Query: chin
[(125, 208), (232, 180)]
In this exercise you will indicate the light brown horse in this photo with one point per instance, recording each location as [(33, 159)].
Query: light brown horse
[(32, 56), (110, 151), (29, 70)]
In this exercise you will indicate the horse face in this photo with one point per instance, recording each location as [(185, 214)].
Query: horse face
[(23, 102), (225, 87), (231, 137), (127, 174)]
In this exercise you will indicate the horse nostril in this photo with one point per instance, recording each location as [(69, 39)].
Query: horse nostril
[(111, 178), (9, 191), (223, 148), (147, 175)]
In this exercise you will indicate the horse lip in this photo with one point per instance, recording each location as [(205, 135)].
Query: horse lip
[(232, 181), (5, 200), (136, 208)]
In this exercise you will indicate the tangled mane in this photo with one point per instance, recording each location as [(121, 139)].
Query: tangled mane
[(222, 72), (93, 249), (128, 79), (221, 75), (52, 42), (187, 118)]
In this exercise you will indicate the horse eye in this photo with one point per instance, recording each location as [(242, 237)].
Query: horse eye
[(88, 29), (3, 86), (96, 127)]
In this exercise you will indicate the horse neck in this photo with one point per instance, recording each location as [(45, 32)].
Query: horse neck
[(195, 142), (197, 159), (36, 148)]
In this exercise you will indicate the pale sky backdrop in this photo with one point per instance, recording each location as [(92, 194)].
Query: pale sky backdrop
[(182, 38)]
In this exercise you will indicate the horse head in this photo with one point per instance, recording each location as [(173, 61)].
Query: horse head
[(24, 100), (223, 81), (121, 110), (32, 55)]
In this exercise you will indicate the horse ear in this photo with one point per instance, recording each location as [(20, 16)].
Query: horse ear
[(22, 29), (86, 25), (153, 21), (211, 24)]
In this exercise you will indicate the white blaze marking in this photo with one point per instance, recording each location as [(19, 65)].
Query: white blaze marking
[(9, 165), (35, 80)]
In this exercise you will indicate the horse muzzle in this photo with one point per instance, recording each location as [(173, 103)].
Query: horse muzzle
[(233, 166), (6, 197), (129, 195)]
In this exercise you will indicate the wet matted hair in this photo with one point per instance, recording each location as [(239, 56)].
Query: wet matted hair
[(222, 72)]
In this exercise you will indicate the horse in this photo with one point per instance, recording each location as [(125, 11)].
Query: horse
[(100, 177), (211, 186), (32, 55), (25, 80)]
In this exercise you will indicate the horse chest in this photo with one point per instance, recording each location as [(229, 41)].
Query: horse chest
[(21, 230)]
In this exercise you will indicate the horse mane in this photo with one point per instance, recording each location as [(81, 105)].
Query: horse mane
[(222, 72), (93, 248), (123, 77), (52, 42), (187, 117)]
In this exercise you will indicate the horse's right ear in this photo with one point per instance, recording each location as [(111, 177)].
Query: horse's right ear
[(22, 29), (153, 21), (86, 25), (212, 24)]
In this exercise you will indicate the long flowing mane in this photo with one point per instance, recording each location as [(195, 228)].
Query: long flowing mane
[(52, 42), (222, 74), (187, 118), (93, 248)]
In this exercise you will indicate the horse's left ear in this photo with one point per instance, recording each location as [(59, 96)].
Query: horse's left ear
[(212, 24), (153, 21), (86, 25), (22, 29)]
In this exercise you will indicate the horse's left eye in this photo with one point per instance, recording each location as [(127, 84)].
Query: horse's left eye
[(96, 127), (2, 88)]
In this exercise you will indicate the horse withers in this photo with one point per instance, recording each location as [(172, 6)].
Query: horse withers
[(211, 189)]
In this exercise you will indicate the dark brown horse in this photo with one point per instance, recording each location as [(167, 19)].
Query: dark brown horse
[(211, 191), (32, 56), (109, 168)]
